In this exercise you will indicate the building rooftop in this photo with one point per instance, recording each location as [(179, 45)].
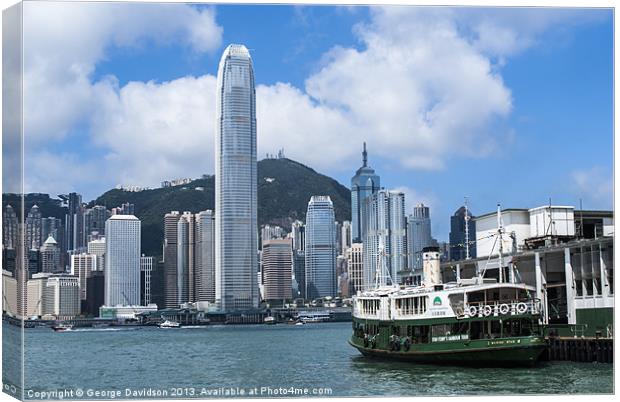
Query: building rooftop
[(124, 218)]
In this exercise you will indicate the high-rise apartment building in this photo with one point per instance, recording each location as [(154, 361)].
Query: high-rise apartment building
[(418, 236), (9, 227), (122, 261), (97, 248), (355, 267), (146, 269), (298, 234), (33, 228), (236, 228), (270, 232), (320, 248), (384, 247), (363, 184), (345, 237), (94, 222)]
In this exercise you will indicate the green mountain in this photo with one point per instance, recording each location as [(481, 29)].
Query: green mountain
[(284, 189)]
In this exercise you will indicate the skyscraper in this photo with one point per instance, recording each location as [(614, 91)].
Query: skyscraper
[(236, 228), (74, 222), (364, 183), (9, 227), (146, 269), (457, 235), (355, 266), (82, 266), (186, 247), (345, 237), (122, 260), (170, 259), (277, 271), (418, 235), (50, 256), (33, 229), (298, 234), (97, 247), (205, 252), (385, 226), (320, 248), (94, 222)]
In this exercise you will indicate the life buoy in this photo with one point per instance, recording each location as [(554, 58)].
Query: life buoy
[(521, 308), (487, 311), (504, 309), (472, 310)]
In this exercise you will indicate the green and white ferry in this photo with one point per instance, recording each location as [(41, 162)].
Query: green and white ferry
[(478, 321)]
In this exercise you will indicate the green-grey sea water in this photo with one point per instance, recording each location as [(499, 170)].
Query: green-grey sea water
[(280, 360)]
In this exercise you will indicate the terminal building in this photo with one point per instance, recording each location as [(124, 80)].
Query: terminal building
[(566, 254)]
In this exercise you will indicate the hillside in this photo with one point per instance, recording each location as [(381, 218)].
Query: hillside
[(284, 189)]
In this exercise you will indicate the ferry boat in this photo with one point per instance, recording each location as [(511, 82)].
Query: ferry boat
[(478, 321)]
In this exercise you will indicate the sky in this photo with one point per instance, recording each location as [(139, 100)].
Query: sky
[(508, 105)]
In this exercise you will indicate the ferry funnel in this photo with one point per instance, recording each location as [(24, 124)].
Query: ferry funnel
[(430, 265)]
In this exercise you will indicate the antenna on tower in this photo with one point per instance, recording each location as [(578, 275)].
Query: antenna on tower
[(365, 156)]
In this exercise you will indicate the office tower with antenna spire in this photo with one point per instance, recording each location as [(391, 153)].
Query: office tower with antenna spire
[(365, 183)]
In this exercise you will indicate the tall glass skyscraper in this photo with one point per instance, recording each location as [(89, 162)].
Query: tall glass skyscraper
[(363, 184), (236, 229), (320, 248)]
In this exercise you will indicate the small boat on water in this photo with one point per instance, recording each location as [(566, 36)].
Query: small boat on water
[(60, 327), (169, 324), (270, 320), (300, 323)]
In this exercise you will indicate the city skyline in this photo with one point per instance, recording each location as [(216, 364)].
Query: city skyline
[(536, 110)]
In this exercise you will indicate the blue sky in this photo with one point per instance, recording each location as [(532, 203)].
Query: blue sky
[(510, 106)]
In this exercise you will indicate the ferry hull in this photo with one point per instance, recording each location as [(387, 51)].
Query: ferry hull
[(497, 356)]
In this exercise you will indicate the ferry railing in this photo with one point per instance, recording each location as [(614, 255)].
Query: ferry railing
[(502, 308)]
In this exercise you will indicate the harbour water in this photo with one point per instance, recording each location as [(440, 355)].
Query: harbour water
[(220, 360)]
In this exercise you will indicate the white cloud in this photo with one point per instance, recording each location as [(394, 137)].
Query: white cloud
[(422, 88), (594, 185), (156, 131), (63, 43)]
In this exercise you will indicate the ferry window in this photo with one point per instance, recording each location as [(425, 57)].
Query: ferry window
[(496, 329), (459, 328), (475, 330), (578, 287), (526, 328), (440, 330), (457, 301), (589, 287), (420, 334)]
